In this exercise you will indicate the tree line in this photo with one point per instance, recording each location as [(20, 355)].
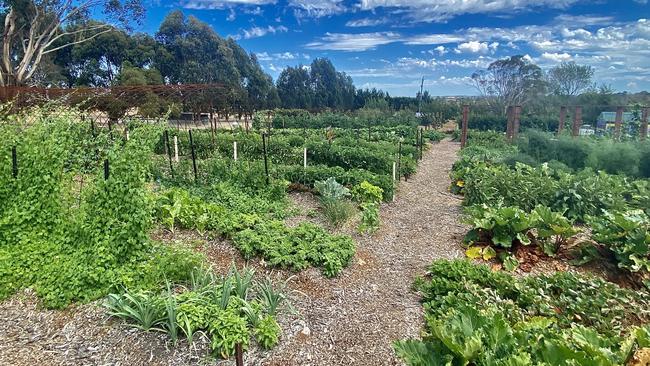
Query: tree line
[(67, 48)]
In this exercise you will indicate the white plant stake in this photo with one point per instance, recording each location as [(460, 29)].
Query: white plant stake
[(176, 149), (394, 171), (234, 150), (305, 158)]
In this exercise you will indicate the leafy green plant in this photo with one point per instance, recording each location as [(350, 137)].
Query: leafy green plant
[(296, 248), (330, 189), (267, 332), (369, 217), (271, 297), (367, 192), (627, 235), (502, 226), (477, 316), (145, 310), (170, 324), (553, 229), (338, 212), (228, 329), (241, 281)]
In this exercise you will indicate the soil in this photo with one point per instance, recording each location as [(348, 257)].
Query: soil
[(352, 319)]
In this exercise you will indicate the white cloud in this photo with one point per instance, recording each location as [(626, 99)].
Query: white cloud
[(442, 10), (317, 8), (426, 39), (221, 4), (556, 57), (473, 47), (366, 22), (265, 56), (353, 42), (441, 50), (256, 32)]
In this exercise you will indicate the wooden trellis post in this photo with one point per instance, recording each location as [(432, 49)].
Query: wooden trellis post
[(577, 121), (618, 122), (463, 136), (560, 126)]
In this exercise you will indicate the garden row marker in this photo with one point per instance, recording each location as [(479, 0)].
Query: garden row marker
[(176, 149), (14, 161), (169, 152), (577, 122), (126, 131), (644, 124), (560, 126), (266, 162), (463, 136), (196, 176), (106, 169), (234, 150), (305, 158), (618, 122)]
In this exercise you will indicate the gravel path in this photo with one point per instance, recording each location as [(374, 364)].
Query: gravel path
[(350, 320), (354, 318)]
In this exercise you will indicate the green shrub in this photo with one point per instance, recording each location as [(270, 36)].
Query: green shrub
[(616, 158)]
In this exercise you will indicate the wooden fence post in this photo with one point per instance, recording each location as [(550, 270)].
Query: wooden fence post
[(618, 122), (577, 121), (644, 124), (463, 136), (560, 126)]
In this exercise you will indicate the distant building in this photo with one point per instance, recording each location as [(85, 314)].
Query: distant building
[(607, 120)]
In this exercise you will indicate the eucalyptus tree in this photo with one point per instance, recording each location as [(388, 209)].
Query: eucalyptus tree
[(34, 29), (511, 81)]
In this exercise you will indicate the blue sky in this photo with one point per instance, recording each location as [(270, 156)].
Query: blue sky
[(391, 44)]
